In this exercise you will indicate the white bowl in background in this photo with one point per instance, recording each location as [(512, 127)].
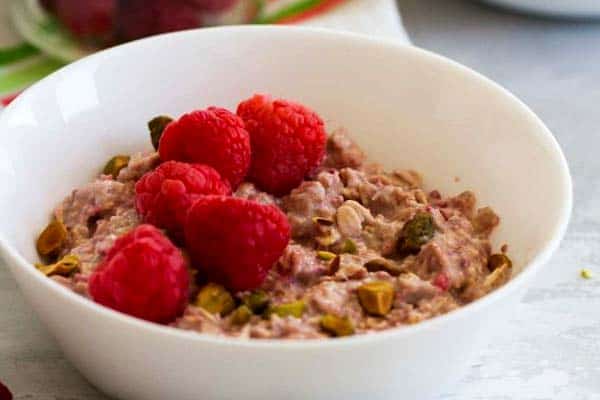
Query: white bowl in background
[(553, 8), (407, 107)]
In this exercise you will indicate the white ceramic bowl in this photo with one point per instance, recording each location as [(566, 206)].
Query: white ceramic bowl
[(555, 8), (407, 107)]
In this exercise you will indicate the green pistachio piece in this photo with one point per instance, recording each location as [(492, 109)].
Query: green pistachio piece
[(383, 264), (215, 299), (115, 165), (293, 309), (64, 267), (334, 265), (322, 221), (257, 301), (327, 239), (349, 246), (415, 233), (52, 239), (585, 273), (156, 126), (325, 255), (500, 268), (241, 315), (337, 326), (498, 260), (376, 297)]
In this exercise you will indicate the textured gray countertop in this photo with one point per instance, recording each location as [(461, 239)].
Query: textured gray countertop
[(551, 347)]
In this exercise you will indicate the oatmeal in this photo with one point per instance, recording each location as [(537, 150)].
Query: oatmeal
[(370, 250)]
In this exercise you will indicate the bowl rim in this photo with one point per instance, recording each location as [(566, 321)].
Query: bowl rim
[(564, 10), (13, 256)]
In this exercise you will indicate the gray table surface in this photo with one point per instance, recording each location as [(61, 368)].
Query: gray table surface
[(551, 347)]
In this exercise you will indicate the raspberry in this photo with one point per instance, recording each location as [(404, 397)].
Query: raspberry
[(235, 241), (213, 5), (5, 394), (176, 16), (215, 137), (288, 142), (90, 20), (136, 19), (139, 18), (143, 275), (164, 195)]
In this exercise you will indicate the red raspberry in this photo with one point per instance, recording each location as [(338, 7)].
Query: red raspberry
[(176, 16), (139, 18), (235, 241), (143, 275), (136, 19), (163, 196), (288, 142), (90, 20), (213, 5), (5, 394), (215, 137)]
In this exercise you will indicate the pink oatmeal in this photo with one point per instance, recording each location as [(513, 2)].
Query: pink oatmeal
[(349, 225)]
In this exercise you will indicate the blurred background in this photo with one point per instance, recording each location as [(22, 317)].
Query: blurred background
[(549, 349)]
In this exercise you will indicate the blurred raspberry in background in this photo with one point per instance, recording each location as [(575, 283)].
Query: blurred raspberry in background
[(89, 20), (5, 394), (106, 22), (213, 5)]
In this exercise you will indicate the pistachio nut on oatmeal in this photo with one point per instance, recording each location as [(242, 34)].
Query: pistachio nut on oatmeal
[(259, 224)]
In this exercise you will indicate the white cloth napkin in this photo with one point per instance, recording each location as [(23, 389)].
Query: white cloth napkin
[(373, 17)]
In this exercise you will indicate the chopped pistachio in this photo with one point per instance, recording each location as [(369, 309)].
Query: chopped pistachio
[(115, 165), (376, 297), (415, 233), (334, 265), (327, 239), (337, 326), (325, 255), (241, 315), (322, 221), (383, 264), (586, 273), (51, 239), (257, 301), (349, 246), (64, 267), (498, 260), (498, 276), (293, 309), (215, 299), (156, 126), (420, 196)]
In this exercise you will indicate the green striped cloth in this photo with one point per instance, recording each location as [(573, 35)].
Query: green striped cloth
[(20, 63)]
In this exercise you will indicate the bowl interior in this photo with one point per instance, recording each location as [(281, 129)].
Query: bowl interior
[(408, 108)]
